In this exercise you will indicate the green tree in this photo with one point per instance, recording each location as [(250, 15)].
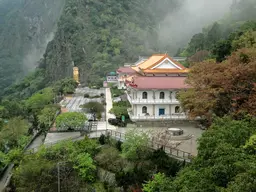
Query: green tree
[(118, 111), (13, 131), (196, 44), (135, 145), (109, 158), (83, 163), (46, 116), (37, 101), (14, 156), (35, 174), (94, 108), (222, 49), (120, 108), (70, 121), (250, 145), (244, 181), (247, 40), (11, 108), (164, 164), (159, 183), (65, 86)]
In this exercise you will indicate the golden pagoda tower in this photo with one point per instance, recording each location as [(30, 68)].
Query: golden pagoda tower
[(76, 74)]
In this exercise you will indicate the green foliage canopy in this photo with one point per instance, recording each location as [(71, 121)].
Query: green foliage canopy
[(70, 121), (135, 145)]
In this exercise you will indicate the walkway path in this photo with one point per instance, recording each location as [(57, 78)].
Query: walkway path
[(109, 105)]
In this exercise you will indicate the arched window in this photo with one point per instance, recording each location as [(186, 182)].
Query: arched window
[(144, 109), (144, 95), (161, 96), (177, 109)]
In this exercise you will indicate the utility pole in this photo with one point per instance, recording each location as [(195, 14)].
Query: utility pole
[(58, 167), (191, 144), (106, 109), (58, 164)]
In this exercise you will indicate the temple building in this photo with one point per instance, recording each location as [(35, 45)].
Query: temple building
[(152, 87), (123, 73)]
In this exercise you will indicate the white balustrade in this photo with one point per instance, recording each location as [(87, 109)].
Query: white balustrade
[(152, 101), (179, 116)]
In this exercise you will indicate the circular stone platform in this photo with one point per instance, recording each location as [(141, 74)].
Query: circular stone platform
[(175, 131)]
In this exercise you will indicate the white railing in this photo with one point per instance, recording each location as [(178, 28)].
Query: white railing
[(152, 101), (161, 117)]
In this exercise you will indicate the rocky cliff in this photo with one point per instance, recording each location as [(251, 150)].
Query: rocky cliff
[(26, 27)]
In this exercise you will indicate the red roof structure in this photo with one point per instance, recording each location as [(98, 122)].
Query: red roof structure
[(126, 70), (143, 82)]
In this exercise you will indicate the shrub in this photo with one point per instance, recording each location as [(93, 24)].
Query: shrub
[(102, 139), (119, 145)]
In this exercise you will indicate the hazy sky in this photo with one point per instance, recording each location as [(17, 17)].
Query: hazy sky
[(178, 27)]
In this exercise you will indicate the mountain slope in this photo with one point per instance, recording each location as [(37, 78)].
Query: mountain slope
[(99, 36), (26, 26)]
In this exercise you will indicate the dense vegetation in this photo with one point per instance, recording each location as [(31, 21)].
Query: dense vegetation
[(22, 117), (81, 165), (223, 88)]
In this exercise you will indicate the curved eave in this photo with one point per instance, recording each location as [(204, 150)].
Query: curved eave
[(166, 71)]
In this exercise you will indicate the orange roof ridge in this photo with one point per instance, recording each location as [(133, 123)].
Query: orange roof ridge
[(154, 60)]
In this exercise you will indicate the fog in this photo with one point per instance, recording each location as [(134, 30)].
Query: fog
[(178, 27), (35, 53)]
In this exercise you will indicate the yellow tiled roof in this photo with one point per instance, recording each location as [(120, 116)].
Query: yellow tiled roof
[(151, 61), (146, 66)]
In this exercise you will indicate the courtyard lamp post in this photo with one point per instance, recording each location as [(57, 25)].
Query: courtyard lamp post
[(191, 144)]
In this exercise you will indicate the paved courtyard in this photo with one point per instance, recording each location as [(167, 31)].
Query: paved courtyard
[(57, 137), (73, 103), (187, 145)]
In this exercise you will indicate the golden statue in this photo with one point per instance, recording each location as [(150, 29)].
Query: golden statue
[(76, 74)]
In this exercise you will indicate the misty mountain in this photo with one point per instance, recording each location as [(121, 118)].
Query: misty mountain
[(219, 38), (97, 36), (26, 26)]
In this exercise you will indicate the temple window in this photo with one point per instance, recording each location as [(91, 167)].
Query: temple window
[(161, 96), (144, 95), (144, 109)]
